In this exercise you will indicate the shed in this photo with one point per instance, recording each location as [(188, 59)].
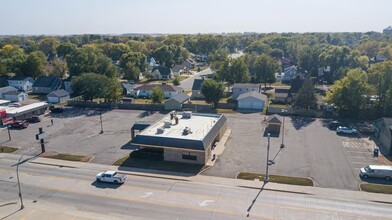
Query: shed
[(16, 96), (274, 122), (251, 100), (175, 103), (58, 96)]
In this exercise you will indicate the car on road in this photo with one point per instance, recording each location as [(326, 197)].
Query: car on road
[(33, 119), (57, 110), (346, 130), (110, 177), (19, 124), (376, 171)]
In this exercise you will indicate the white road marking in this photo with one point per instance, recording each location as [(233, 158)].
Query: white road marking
[(147, 194), (205, 202)]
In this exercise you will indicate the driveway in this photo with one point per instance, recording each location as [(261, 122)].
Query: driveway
[(77, 131), (188, 83), (311, 150)]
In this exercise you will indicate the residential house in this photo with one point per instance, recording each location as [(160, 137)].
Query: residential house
[(161, 72), (384, 133), (387, 30), (251, 100), (185, 66), (6, 89), (175, 103), (146, 90), (16, 96), (22, 83), (196, 89), (290, 73), (46, 84), (202, 58), (296, 85), (58, 96), (241, 88), (324, 74), (129, 88), (67, 85), (281, 95), (284, 62), (378, 59)]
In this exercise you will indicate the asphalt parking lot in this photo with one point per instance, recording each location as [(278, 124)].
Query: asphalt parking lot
[(311, 150), (77, 131)]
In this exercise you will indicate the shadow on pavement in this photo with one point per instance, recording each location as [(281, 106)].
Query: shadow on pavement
[(102, 185), (254, 200), (376, 181), (301, 122)]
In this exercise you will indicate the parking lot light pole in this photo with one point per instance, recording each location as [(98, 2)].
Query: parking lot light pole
[(284, 119), (266, 178)]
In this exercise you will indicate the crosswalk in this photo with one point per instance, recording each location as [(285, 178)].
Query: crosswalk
[(355, 144)]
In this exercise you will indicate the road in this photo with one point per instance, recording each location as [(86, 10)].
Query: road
[(187, 83), (73, 191)]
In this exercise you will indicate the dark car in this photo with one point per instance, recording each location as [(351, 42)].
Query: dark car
[(33, 119), (57, 110), (333, 125), (19, 124)]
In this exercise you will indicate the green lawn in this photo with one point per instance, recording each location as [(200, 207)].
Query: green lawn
[(301, 181), (69, 157), (159, 165), (5, 149), (279, 84), (376, 188), (40, 97)]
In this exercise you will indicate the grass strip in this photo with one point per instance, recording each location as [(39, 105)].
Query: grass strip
[(376, 188), (8, 150), (301, 181)]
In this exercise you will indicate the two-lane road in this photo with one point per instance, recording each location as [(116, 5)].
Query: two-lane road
[(187, 83)]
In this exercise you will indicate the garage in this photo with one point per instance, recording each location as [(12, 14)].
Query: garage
[(251, 100)]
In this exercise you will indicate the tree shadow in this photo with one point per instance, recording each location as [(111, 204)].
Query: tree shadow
[(72, 112), (301, 122)]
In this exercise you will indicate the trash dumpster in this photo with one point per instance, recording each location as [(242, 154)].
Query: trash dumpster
[(376, 151)]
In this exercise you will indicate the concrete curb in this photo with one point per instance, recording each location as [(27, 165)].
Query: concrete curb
[(49, 164)]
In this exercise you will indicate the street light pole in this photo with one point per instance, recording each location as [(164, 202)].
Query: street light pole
[(17, 176), (266, 178)]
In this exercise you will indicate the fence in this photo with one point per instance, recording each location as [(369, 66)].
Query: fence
[(300, 112), (148, 107)]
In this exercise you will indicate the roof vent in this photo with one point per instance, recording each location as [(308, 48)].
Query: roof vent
[(167, 124), (187, 114), (160, 130), (186, 131)]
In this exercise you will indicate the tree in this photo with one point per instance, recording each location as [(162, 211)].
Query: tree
[(65, 48), (265, 68), (11, 59), (176, 81), (169, 55), (306, 98), (131, 72), (349, 94), (234, 71), (34, 65), (132, 64), (212, 91), (175, 39), (258, 47), (56, 67), (157, 95), (380, 78), (48, 47), (92, 85), (137, 46)]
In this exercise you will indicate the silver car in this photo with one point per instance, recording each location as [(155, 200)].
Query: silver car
[(376, 171)]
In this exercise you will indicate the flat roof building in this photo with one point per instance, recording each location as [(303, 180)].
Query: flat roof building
[(184, 137)]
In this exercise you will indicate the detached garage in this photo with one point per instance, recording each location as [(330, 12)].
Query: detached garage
[(16, 96), (251, 100), (58, 96)]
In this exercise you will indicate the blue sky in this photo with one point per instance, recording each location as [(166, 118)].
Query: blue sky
[(191, 16)]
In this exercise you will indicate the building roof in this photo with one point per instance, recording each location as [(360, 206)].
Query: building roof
[(58, 93), (252, 94), (8, 89), (181, 98), (147, 121), (274, 119), (23, 109), (128, 86), (292, 67), (204, 128), (164, 71), (13, 92), (46, 81), (246, 85), (197, 84), (389, 28), (21, 78), (164, 87)]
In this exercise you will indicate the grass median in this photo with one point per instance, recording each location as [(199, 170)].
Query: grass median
[(376, 188), (301, 181), (8, 150), (69, 157)]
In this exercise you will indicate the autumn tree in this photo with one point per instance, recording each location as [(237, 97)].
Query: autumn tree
[(212, 91)]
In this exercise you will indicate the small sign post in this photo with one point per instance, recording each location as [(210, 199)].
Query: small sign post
[(40, 136)]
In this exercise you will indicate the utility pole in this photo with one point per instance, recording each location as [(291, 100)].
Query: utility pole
[(40, 136), (100, 116), (266, 178)]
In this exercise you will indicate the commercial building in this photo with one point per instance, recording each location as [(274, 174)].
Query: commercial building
[(183, 137), (26, 111)]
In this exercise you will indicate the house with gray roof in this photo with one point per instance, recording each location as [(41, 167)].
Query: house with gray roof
[(129, 88), (387, 30), (162, 72), (16, 96), (146, 90), (252, 101), (241, 88), (175, 103), (58, 96), (46, 84), (6, 89), (196, 89), (22, 83)]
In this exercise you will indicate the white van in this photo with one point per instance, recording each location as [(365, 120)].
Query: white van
[(376, 171)]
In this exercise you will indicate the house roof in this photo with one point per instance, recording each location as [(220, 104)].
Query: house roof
[(290, 68), (246, 85), (13, 92), (197, 84), (252, 94), (389, 28), (277, 119), (282, 93), (8, 89), (21, 78), (164, 87), (58, 93), (128, 86), (296, 85), (181, 98), (164, 71), (46, 81)]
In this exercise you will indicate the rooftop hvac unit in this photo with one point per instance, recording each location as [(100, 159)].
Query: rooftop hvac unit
[(187, 114), (186, 131), (167, 124), (160, 130)]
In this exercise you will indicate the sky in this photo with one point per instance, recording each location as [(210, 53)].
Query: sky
[(55, 17)]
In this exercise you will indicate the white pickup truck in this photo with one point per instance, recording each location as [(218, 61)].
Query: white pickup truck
[(110, 177)]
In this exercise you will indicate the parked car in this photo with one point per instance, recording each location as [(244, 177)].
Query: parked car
[(19, 124), (57, 110), (376, 171), (110, 177), (346, 130), (335, 124), (33, 119)]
